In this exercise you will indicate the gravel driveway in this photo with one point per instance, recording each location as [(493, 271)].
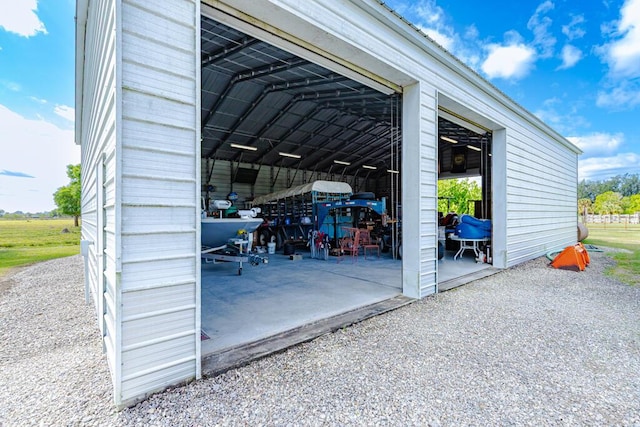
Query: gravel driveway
[(528, 346)]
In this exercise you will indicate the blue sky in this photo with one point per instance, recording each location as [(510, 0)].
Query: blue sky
[(36, 102), (575, 64)]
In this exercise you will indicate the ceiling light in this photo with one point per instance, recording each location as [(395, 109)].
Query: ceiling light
[(392, 171), (244, 147), (446, 138), (369, 167), (471, 147), (340, 162), (293, 156)]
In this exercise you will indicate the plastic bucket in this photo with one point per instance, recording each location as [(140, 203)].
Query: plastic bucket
[(271, 247)]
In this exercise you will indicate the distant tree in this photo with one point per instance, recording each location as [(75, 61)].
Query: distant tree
[(626, 184), (632, 204), (1, 212), (455, 195), (67, 198), (607, 203), (586, 190), (630, 185), (585, 206)]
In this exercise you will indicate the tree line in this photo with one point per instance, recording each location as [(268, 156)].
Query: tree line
[(617, 195)]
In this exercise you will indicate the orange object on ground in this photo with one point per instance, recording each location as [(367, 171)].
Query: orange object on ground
[(575, 258), (583, 251)]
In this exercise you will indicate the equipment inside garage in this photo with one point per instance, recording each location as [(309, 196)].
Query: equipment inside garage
[(279, 134), (275, 129)]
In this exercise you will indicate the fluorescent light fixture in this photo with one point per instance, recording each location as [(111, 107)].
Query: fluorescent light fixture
[(471, 147), (446, 138), (369, 167), (244, 147), (293, 156), (392, 171), (340, 162)]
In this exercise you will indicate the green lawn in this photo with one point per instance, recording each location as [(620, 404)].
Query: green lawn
[(620, 236), (26, 241)]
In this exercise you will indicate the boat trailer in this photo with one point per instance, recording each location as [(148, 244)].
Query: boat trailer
[(236, 250)]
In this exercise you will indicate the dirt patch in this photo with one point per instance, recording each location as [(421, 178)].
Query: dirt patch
[(6, 281)]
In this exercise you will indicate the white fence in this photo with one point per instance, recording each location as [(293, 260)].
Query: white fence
[(613, 219)]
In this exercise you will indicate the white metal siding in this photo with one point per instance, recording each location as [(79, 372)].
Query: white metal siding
[(541, 196), (428, 191), (160, 163), (97, 137)]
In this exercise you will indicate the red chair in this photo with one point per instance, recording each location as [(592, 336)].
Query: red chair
[(366, 242), (349, 244)]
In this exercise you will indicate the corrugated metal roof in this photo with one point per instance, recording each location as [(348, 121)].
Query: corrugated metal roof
[(260, 96), (257, 95)]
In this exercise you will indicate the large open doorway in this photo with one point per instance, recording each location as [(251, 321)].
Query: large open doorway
[(464, 198), (273, 121)]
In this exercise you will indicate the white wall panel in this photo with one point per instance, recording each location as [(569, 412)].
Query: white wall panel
[(150, 152), (96, 134)]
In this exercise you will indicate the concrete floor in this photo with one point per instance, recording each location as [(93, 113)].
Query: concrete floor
[(450, 269), (272, 298)]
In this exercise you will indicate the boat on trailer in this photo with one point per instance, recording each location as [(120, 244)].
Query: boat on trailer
[(216, 232)]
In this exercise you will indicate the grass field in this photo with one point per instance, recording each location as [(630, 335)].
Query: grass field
[(620, 236), (26, 241)]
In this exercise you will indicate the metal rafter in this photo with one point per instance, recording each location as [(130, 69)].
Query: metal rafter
[(246, 76), (275, 87), (224, 52)]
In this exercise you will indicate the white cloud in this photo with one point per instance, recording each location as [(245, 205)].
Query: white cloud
[(65, 112), (442, 39), (430, 12), (598, 144), (20, 17), (596, 168), (38, 100), (573, 29), (471, 33), (625, 95), (539, 24), (623, 54), (12, 86), (570, 56), (508, 62), (562, 117), (33, 148), (433, 24)]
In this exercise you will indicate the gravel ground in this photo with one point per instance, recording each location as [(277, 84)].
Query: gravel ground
[(528, 346)]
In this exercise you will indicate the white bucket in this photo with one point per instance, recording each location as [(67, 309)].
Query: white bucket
[(271, 247)]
